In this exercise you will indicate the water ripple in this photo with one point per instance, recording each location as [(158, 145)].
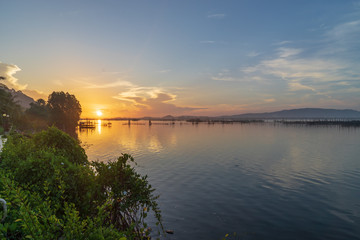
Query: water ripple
[(260, 181)]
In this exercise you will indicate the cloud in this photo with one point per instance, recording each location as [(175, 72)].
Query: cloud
[(269, 100), (287, 52), (7, 71), (153, 101), (119, 83), (224, 75), (229, 79), (313, 73), (342, 40), (295, 86), (227, 75), (302, 68), (344, 30), (207, 42), (217, 15), (302, 73), (160, 105), (321, 71), (137, 94), (253, 54), (282, 43), (343, 83)]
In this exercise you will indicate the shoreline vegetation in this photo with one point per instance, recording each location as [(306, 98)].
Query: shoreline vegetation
[(52, 190)]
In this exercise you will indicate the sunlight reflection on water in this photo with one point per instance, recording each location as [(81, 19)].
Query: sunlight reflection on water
[(258, 180)]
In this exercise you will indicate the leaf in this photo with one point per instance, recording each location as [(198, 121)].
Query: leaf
[(18, 220)]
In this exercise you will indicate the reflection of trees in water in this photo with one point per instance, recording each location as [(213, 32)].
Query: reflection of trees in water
[(73, 133), (86, 131)]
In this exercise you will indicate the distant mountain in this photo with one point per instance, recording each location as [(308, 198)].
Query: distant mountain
[(168, 117), (299, 113), (20, 98)]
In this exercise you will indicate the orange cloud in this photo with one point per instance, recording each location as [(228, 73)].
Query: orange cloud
[(153, 102)]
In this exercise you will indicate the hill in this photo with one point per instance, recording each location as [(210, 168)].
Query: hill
[(300, 113), (20, 98)]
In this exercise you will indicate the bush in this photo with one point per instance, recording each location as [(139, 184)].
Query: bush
[(54, 191), (32, 217), (34, 160), (131, 194)]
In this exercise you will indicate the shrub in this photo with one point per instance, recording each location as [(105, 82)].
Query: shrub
[(131, 195), (49, 183), (32, 217)]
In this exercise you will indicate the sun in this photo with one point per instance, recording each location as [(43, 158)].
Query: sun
[(99, 113)]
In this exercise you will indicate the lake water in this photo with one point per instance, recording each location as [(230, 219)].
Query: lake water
[(262, 181)]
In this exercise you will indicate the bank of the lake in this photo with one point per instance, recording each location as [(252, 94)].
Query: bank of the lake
[(49, 190)]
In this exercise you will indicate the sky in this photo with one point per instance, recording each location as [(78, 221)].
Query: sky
[(154, 58)]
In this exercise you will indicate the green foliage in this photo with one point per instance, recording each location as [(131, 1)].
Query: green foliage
[(32, 161), (10, 111), (64, 110), (131, 194), (64, 145), (31, 217), (54, 192)]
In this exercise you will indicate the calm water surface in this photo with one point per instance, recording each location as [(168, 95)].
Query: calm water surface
[(262, 181)]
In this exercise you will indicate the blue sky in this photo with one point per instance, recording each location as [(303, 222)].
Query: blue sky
[(140, 58)]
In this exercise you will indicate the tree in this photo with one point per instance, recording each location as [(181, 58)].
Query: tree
[(37, 115), (64, 111), (38, 110), (10, 111)]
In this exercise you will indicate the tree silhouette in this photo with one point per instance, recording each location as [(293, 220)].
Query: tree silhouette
[(10, 111), (37, 115), (64, 111), (38, 109)]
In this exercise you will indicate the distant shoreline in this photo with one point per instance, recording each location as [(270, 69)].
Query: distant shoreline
[(298, 114), (289, 121)]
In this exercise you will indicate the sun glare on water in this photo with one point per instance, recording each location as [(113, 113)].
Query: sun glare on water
[(99, 113)]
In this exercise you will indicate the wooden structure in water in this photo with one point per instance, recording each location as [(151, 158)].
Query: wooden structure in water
[(86, 124), (322, 122), (108, 124)]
